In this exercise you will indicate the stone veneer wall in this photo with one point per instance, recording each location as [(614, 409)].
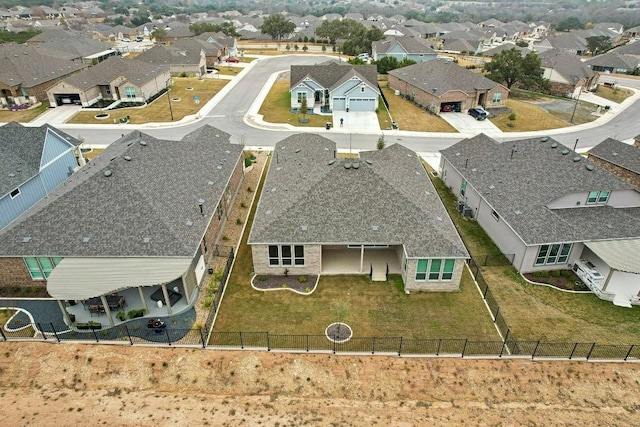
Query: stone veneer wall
[(629, 176)]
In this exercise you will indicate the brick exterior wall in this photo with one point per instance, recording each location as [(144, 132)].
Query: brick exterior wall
[(425, 99), (411, 284), (213, 235), (312, 260), (629, 176), (14, 272)]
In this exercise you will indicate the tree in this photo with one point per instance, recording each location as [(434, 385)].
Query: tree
[(303, 107), (158, 33), (277, 26), (598, 44), (509, 67), (227, 28), (570, 23), (381, 143), (386, 64)]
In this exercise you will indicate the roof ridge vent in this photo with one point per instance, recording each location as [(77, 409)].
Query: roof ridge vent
[(108, 173), (554, 145), (577, 158), (347, 165), (143, 143), (544, 139), (127, 158), (330, 162), (356, 165), (565, 151), (367, 161), (589, 167)]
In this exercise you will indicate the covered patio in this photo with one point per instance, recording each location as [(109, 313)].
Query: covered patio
[(360, 259), (96, 289)]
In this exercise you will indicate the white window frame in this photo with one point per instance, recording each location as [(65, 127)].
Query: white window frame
[(497, 97), (599, 197), (300, 95), (127, 92), (554, 254), (15, 193)]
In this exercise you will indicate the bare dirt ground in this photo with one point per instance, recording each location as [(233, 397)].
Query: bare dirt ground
[(68, 384)]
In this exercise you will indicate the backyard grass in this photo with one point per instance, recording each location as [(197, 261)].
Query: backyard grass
[(158, 110), (23, 116), (413, 118), (228, 70), (529, 117), (616, 95), (539, 313), (372, 309)]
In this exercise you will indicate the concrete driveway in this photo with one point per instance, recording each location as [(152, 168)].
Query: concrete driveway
[(56, 116), (464, 123), (356, 121)]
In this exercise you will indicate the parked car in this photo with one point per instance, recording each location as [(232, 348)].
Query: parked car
[(126, 40), (478, 113), (139, 39), (446, 108), (233, 59)]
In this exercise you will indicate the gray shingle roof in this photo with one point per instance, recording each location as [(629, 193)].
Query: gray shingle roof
[(614, 60), (163, 55), (618, 153), (389, 189), (21, 151), (440, 76), (154, 192), (331, 73), (567, 65), (410, 45), (136, 72), (29, 66), (519, 178), (506, 46)]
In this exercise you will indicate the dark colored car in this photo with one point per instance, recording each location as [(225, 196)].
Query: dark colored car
[(233, 59), (478, 113)]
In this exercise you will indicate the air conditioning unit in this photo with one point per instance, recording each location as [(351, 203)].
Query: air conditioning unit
[(467, 212), (588, 273), (460, 206)]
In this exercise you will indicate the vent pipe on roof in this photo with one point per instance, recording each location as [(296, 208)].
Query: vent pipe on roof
[(466, 162), (200, 205)]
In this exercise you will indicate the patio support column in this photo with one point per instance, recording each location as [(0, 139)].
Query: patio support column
[(144, 302), (361, 258), (167, 301), (606, 282), (107, 310), (65, 313)]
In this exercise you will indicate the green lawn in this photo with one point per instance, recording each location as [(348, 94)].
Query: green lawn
[(373, 309), (540, 313), (613, 94)]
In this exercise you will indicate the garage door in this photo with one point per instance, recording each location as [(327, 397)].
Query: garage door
[(339, 104), (67, 99), (362, 104)]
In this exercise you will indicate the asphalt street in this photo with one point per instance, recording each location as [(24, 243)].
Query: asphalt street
[(227, 113)]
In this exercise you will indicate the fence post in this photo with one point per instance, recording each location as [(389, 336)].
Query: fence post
[(334, 344), (504, 342), (166, 332), (573, 351), (486, 289), (464, 347), (55, 334), (268, 343), (4, 337), (628, 352), (241, 344), (307, 342), (591, 350), (201, 338), (128, 334), (94, 334), (400, 348), (535, 350), (373, 345), (438, 349), (495, 318), (44, 336)]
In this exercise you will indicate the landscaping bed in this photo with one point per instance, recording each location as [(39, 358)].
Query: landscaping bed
[(302, 283), (561, 279)]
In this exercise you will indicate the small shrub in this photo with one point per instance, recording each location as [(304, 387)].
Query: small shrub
[(247, 162), (183, 74), (556, 273), (207, 302), (238, 221), (307, 289), (286, 272), (243, 205), (512, 117), (121, 316), (262, 277), (381, 143), (565, 273), (302, 279), (250, 190), (132, 314), (225, 237), (284, 286)]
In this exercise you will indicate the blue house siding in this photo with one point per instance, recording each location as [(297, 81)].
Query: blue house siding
[(30, 193), (54, 146), (56, 172), (294, 97)]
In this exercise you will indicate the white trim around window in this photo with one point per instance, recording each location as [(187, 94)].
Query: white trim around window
[(557, 253)]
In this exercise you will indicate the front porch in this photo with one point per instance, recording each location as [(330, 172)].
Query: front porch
[(361, 259)]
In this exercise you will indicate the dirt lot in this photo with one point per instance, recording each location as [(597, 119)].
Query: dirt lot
[(67, 384)]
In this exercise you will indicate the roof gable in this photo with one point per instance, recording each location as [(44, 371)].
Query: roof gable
[(331, 73)]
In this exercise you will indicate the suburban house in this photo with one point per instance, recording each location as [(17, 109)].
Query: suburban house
[(72, 45), (175, 30), (567, 73), (33, 162), (140, 221), (402, 48), (26, 73), (443, 84), (460, 46), (618, 158), (212, 52), (573, 43), (228, 45), (378, 214), (548, 208), (179, 61), (113, 79), (612, 62), (334, 86)]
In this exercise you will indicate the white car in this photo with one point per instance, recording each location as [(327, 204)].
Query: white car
[(126, 40)]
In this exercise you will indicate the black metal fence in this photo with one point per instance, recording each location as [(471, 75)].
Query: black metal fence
[(223, 283), (399, 346), (488, 297)]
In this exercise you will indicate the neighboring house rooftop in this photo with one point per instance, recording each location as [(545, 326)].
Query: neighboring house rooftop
[(164, 55), (439, 77), (135, 71), (28, 66), (331, 74), (383, 197), (617, 152), (519, 178), (147, 206), (569, 66), (506, 46), (21, 153), (614, 60), (410, 45)]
